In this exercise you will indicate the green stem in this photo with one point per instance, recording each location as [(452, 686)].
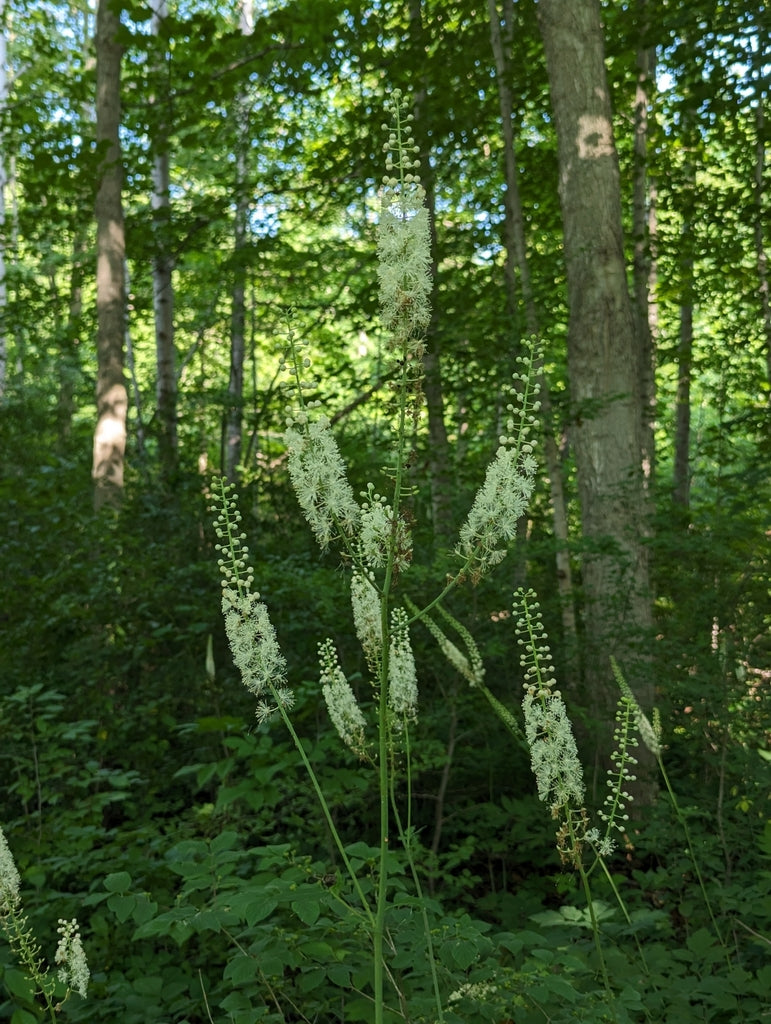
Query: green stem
[(406, 841), (325, 809), (595, 928), (691, 853)]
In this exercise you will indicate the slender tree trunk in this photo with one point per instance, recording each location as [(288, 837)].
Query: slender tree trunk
[(761, 256), (602, 362), (235, 404), (3, 182), (69, 362), (516, 262), (111, 397), (439, 471), (681, 474), (643, 258), (163, 288)]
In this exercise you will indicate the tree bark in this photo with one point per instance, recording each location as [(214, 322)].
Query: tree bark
[(234, 412), (603, 360), (111, 395), (681, 472), (516, 263), (163, 287), (439, 474), (643, 215), (764, 289)]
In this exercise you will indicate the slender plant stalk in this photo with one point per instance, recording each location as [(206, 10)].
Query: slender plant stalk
[(326, 812)]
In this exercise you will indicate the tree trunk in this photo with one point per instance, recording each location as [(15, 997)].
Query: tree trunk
[(681, 473), (163, 288), (516, 262), (602, 362), (3, 180), (111, 396), (764, 291), (234, 412), (439, 475), (642, 235)]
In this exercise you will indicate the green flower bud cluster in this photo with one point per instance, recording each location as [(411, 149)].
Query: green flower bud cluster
[(295, 360), (625, 740), (400, 149)]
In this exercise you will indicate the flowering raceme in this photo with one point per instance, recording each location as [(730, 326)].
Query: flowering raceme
[(403, 240), (317, 471), (340, 699), (73, 969), (402, 675), (250, 632), (553, 752), (10, 882), (508, 486), (365, 603), (404, 262)]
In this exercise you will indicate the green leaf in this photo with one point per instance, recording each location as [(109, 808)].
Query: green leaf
[(122, 906), (307, 910), (20, 1016), (241, 970), (19, 984), (340, 975), (119, 881), (259, 909)]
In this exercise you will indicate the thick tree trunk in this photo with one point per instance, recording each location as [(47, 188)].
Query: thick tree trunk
[(516, 262), (163, 288), (603, 360), (111, 396)]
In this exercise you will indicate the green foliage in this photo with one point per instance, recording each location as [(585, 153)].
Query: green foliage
[(139, 794)]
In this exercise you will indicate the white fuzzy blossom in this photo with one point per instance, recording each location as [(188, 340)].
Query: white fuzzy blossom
[(253, 642), (403, 239), (375, 533), (340, 699), (365, 602), (10, 881), (404, 264), (549, 733), (508, 486), (250, 633), (380, 535), (402, 675), (317, 472), (500, 503), (553, 752), (73, 970)]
